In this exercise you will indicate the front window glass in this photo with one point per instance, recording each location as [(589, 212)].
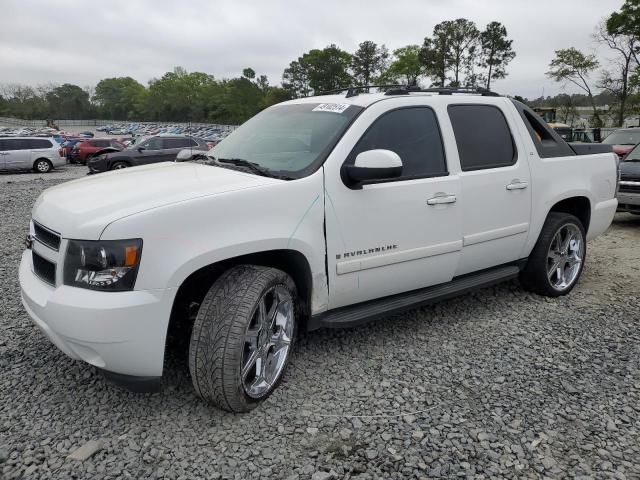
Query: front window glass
[(622, 137), (287, 138)]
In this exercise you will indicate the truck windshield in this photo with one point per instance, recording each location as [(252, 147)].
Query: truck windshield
[(288, 139), (623, 138)]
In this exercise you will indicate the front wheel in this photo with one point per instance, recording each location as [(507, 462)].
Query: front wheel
[(242, 337), (119, 165), (557, 260)]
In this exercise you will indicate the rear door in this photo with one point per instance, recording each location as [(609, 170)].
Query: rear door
[(173, 145), (17, 154), (495, 183)]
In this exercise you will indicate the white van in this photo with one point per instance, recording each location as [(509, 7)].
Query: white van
[(30, 153)]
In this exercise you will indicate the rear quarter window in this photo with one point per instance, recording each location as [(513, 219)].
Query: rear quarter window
[(37, 143)]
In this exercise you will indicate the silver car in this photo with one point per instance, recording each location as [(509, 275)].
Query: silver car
[(40, 154)]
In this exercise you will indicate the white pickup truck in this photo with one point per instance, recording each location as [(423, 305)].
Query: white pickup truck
[(318, 212)]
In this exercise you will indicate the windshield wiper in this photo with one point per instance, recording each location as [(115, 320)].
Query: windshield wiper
[(251, 166)]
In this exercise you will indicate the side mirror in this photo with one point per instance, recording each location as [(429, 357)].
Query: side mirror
[(185, 155), (372, 166)]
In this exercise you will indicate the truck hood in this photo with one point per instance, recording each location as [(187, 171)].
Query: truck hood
[(83, 208)]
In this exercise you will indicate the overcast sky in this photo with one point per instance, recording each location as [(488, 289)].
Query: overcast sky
[(82, 42)]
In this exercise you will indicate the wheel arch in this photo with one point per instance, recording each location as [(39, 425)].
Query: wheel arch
[(194, 287), (579, 206)]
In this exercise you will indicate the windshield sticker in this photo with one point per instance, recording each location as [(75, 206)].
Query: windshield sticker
[(331, 107)]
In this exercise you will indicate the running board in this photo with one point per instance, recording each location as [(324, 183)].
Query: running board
[(353, 315)]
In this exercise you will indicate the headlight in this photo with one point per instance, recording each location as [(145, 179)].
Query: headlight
[(110, 265)]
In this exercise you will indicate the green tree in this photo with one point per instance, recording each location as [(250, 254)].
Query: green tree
[(453, 47), (249, 73), (119, 98), (368, 62), (318, 71), (495, 52), (406, 66), (573, 66), (68, 101), (295, 79), (616, 80)]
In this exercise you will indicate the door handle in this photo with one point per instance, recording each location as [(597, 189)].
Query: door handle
[(441, 199), (517, 185)]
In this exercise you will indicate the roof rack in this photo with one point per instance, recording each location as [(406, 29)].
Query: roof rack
[(399, 89), (354, 90), (405, 90)]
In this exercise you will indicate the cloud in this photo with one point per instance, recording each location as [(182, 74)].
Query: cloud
[(82, 42)]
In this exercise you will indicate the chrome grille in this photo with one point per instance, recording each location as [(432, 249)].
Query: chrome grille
[(44, 269), (629, 186), (47, 237)]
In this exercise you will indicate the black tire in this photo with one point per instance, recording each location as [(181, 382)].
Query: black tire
[(119, 165), (42, 165), (217, 349), (534, 277)]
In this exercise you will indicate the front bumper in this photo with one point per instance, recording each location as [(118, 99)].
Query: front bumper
[(97, 165), (629, 202), (120, 332)]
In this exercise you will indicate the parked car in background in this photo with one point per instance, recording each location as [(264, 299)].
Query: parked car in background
[(623, 140), (629, 190), (67, 147), (30, 153), (146, 150), (84, 151)]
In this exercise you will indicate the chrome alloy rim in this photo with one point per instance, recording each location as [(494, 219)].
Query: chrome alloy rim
[(565, 257), (119, 166), (43, 167), (267, 341)]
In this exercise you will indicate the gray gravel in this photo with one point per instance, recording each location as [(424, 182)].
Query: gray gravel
[(498, 384)]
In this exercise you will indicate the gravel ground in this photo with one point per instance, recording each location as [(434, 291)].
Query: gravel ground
[(499, 384)]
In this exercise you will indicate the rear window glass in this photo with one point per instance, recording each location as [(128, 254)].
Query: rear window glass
[(483, 137)]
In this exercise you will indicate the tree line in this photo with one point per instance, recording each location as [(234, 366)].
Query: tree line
[(456, 54), (618, 73)]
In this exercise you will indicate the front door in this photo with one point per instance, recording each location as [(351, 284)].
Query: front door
[(393, 236), (152, 151)]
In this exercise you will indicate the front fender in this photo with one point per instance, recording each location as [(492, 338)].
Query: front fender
[(181, 238)]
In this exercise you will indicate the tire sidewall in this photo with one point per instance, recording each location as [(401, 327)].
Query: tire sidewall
[(115, 166), (217, 341)]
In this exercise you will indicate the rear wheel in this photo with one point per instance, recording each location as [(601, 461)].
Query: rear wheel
[(242, 337), (557, 260), (42, 165), (119, 165)]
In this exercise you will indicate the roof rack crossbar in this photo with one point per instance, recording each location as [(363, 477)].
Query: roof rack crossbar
[(354, 90)]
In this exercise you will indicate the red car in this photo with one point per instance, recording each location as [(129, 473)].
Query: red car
[(623, 140), (83, 151)]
